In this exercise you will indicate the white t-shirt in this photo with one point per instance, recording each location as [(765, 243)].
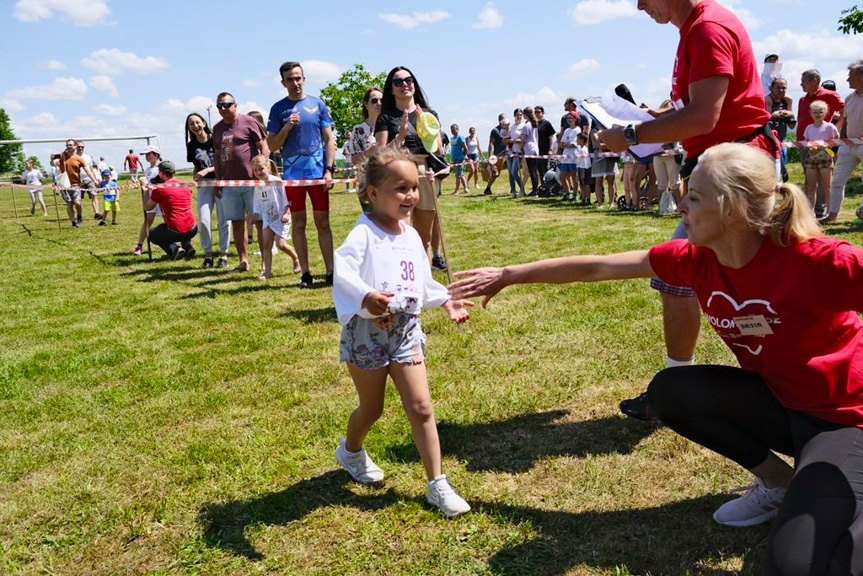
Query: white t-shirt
[(371, 259), (583, 160), (89, 161), (55, 173), (271, 201), (114, 175), (102, 166), (33, 178), (472, 145), (569, 137), (516, 131), (531, 145)]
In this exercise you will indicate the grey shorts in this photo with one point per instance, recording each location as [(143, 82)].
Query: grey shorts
[(72, 194), (89, 188), (237, 200), (665, 287), (373, 344)]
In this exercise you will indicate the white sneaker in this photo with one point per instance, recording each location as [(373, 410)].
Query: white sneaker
[(358, 464), (442, 495), (757, 505)]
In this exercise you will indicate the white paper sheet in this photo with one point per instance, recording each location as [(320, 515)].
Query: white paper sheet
[(611, 110)]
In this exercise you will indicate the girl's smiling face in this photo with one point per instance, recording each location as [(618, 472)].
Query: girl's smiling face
[(396, 196), (261, 170)]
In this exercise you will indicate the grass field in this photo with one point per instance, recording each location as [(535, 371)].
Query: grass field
[(156, 418)]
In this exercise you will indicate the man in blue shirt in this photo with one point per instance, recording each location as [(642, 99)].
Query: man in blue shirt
[(302, 127), (457, 151)]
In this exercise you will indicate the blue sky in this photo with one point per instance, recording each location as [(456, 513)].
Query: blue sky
[(86, 68)]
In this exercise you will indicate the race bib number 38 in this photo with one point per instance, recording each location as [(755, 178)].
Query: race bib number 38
[(397, 269)]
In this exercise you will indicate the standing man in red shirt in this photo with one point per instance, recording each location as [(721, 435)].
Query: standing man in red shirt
[(718, 98), (179, 227), (131, 163), (810, 82)]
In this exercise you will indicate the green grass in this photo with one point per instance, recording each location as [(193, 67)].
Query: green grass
[(159, 419)]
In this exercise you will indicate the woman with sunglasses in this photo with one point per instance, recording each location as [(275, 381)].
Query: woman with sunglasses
[(361, 140), (403, 103)]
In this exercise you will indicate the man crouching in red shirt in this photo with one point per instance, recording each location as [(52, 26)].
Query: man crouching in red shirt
[(175, 199)]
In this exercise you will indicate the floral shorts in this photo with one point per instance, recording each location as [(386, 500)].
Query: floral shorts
[(370, 344), (818, 160)]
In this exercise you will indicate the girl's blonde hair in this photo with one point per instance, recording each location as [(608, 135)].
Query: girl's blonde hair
[(744, 179), (376, 168), (818, 106), (267, 161)]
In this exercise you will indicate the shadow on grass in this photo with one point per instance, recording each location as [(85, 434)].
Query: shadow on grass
[(314, 316), (675, 538), (843, 228), (515, 445), (213, 292), (182, 272), (225, 523)]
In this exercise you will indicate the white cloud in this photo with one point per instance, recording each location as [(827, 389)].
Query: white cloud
[(61, 88), (582, 68), (791, 44), (10, 105), (81, 12), (320, 71), (589, 12), (413, 20), (489, 17), (115, 61), (53, 65), (249, 83), (105, 84), (108, 110)]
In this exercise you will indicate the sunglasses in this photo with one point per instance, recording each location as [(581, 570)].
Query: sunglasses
[(224, 105), (375, 100), (399, 82)]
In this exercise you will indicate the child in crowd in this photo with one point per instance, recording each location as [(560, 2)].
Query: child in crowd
[(583, 166), (382, 282), (569, 162), (275, 216), (819, 161), (33, 180), (151, 176), (111, 196)]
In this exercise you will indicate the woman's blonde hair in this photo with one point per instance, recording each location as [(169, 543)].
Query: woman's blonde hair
[(818, 105), (744, 179), (376, 168), (261, 159)]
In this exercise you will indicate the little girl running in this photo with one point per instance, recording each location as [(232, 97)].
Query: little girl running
[(382, 281), (275, 216)]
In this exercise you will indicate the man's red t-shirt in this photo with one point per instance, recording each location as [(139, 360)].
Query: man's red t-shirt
[(132, 159), (808, 294), (832, 99), (176, 204), (713, 42)]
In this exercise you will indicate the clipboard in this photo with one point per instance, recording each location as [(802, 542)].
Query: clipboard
[(611, 110)]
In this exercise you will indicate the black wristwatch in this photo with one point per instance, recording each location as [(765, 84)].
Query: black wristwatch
[(630, 135), (331, 169)]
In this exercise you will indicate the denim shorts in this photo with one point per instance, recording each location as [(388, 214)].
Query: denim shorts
[(236, 200), (370, 344)]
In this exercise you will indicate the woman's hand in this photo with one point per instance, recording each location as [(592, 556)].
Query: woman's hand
[(486, 282), (286, 217), (403, 129), (377, 302), (457, 310), (200, 175)]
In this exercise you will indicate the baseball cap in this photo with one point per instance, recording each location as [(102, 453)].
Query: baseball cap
[(428, 129), (167, 166), (106, 172), (152, 148)]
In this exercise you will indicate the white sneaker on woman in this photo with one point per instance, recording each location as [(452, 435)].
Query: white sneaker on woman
[(358, 464), (757, 505), (442, 495)]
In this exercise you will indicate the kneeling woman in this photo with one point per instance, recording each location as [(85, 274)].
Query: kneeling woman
[(784, 299)]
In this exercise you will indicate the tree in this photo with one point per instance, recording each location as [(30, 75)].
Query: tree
[(11, 155), (851, 21), (344, 98)]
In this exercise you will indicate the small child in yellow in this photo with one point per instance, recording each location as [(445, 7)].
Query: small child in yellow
[(111, 196)]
